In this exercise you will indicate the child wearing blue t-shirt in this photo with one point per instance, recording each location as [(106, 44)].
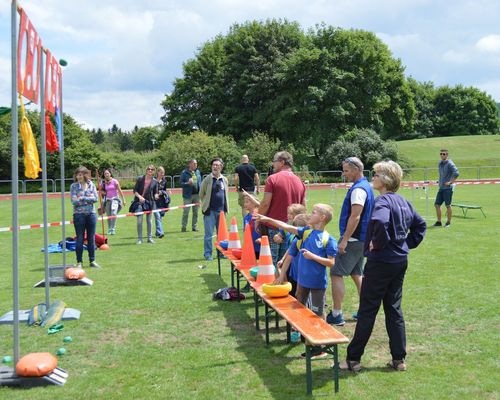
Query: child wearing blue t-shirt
[(316, 254), (250, 205)]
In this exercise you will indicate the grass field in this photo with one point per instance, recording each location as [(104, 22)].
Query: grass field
[(150, 330)]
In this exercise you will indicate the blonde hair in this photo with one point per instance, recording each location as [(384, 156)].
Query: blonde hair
[(82, 170), (296, 209), (301, 219), (390, 174), (324, 209)]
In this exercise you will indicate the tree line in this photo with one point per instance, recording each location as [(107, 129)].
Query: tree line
[(323, 94)]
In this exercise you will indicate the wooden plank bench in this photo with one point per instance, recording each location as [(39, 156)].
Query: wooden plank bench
[(315, 330), (467, 207)]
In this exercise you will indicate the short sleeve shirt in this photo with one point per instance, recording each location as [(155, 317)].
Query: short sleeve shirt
[(313, 275), (246, 174), (286, 188)]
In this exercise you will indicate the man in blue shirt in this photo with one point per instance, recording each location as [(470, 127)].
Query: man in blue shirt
[(214, 197), (190, 182), (448, 173)]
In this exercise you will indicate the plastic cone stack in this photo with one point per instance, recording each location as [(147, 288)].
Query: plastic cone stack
[(234, 237), (248, 259), (266, 267), (222, 229)]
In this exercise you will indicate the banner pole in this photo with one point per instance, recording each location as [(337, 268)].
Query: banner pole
[(44, 179), (63, 173), (15, 189)]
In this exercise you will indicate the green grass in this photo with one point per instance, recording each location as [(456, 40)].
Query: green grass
[(465, 151), (150, 330)]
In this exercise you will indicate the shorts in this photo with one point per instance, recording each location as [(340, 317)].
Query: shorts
[(444, 196), (350, 263), (317, 298), (241, 196)]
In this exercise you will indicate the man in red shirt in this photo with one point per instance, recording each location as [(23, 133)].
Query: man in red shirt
[(282, 188)]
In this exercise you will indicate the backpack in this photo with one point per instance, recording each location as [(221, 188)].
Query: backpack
[(306, 234), (227, 293)]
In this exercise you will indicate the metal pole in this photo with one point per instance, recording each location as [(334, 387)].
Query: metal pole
[(63, 182), (44, 182), (14, 178)]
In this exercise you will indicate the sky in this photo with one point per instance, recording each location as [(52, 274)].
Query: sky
[(124, 55)]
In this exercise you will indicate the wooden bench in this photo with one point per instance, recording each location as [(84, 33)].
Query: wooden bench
[(467, 207), (314, 329)]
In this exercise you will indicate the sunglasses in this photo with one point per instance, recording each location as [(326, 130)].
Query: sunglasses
[(150, 169), (443, 154)]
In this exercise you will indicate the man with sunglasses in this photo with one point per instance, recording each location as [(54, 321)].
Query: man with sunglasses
[(214, 195), (448, 173)]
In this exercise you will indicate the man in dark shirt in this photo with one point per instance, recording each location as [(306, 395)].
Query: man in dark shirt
[(246, 178)]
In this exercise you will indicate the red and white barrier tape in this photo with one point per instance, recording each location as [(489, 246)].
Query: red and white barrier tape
[(426, 183), (101, 217)]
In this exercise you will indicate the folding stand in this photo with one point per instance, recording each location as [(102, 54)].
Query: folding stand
[(57, 278)]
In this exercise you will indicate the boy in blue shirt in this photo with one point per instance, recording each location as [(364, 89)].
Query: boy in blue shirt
[(317, 253)]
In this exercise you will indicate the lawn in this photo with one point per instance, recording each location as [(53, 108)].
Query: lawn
[(150, 330)]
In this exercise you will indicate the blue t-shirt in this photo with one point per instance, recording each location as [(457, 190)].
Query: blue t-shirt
[(247, 219), (218, 197), (293, 269), (312, 275)]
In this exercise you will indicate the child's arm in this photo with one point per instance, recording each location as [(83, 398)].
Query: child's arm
[(327, 262), (287, 259), (276, 223), (251, 198)]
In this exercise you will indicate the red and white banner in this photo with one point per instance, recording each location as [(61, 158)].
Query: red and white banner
[(102, 217), (53, 82), (28, 70)]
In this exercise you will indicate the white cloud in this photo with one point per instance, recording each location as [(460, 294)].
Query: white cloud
[(456, 57), (123, 108), (489, 44), (491, 87)]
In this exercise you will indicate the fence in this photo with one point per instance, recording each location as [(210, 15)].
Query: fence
[(333, 176)]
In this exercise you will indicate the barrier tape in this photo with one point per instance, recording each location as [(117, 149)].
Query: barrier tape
[(418, 184), (99, 218)]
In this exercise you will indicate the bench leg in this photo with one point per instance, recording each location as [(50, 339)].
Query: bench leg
[(267, 314), (256, 304), (288, 332), (308, 370), (336, 367), (484, 215), (277, 319), (232, 275), (237, 283), (218, 260)]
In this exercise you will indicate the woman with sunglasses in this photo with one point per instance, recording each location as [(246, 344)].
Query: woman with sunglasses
[(393, 229), (83, 196), (146, 193)]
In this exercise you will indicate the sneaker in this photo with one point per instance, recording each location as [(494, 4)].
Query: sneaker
[(78, 265), (93, 264), (447, 225), (347, 365), (438, 223), (139, 241), (183, 230), (160, 236), (209, 258), (110, 231), (398, 365), (113, 232), (151, 241), (338, 320), (295, 337), (196, 230), (317, 353)]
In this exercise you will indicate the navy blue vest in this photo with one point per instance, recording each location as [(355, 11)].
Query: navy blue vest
[(360, 231)]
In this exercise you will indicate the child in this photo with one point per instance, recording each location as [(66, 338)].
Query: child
[(289, 264), (249, 204), (316, 254), (284, 237)]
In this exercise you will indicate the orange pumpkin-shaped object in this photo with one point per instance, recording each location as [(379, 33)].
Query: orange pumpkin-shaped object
[(237, 253), (74, 273), (36, 364)]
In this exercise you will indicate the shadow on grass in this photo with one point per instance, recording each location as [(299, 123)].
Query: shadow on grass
[(269, 363)]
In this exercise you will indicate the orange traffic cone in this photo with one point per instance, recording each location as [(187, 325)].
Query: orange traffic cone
[(222, 230), (266, 266), (248, 259), (234, 237)]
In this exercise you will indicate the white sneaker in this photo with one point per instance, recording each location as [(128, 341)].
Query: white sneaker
[(139, 241)]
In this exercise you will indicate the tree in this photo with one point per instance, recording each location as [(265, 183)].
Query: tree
[(231, 84), (145, 139), (423, 97), (463, 110), (365, 144)]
